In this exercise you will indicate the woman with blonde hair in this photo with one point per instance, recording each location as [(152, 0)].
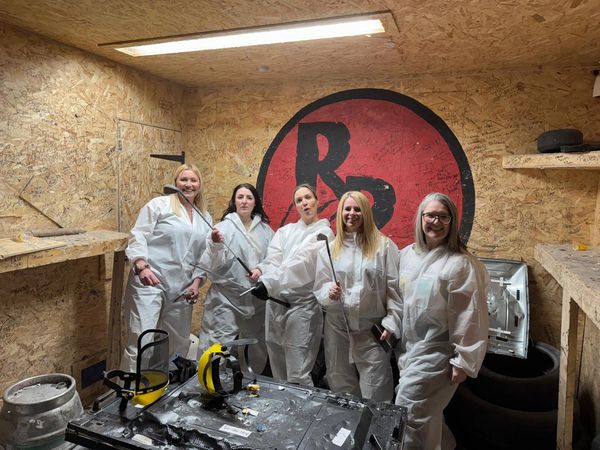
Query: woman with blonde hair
[(165, 243), (366, 295)]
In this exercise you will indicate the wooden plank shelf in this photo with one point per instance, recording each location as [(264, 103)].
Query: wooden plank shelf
[(581, 161), (90, 243), (578, 272), (76, 246)]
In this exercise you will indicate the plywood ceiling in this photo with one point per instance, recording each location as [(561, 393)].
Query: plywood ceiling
[(423, 36)]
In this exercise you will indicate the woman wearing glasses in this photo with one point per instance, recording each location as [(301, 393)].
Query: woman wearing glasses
[(444, 325)]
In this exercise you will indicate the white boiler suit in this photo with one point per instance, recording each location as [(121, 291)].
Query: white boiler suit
[(171, 244), (356, 362), (445, 323), (226, 315), (293, 334)]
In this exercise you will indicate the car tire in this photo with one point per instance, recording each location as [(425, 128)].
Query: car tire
[(595, 445), (479, 424), (551, 141), (529, 384)]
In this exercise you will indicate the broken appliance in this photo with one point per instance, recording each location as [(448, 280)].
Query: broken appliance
[(264, 415), (508, 307)]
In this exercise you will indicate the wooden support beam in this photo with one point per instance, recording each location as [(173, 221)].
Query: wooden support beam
[(115, 313), (577, 273), (568, 372)]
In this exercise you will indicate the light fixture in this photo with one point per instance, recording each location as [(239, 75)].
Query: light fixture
[(276, 34)]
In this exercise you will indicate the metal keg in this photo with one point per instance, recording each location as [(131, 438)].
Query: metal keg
[(36, 411)]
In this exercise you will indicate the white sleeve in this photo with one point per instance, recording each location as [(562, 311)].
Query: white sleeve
[(215, 255), (274, 254), (323, 278), (394, 303), (143, 228), (294, 274), (198, 271), (468, 315)]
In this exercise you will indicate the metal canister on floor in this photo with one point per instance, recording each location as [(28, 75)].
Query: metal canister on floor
[(36, 411)]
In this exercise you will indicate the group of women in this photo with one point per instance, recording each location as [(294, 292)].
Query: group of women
[(430, 295)]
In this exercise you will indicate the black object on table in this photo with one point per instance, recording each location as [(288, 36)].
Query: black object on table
[(281, 416)]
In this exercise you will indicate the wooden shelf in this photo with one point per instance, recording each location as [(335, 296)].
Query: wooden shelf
[(581, 161), (577, 271), (91, 243)]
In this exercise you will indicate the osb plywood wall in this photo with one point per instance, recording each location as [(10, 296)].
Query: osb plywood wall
[(139, 176), (493, 114), (60, 115)]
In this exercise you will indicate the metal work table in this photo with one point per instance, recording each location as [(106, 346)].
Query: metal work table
[(282, 416), (578, 272)]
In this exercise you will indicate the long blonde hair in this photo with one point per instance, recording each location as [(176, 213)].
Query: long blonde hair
[(199, 200), (370, 239)]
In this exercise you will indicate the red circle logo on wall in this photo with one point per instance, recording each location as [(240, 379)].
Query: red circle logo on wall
[(382, 143)]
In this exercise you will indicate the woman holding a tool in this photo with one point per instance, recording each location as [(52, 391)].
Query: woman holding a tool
[(359, 286), (165, 243), (445, 321), (227, 315), (293, 334)]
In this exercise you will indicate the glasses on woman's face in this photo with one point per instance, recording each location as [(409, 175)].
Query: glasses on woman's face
[(443, 218)]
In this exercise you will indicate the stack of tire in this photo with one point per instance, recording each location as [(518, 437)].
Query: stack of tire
[(512, 404)]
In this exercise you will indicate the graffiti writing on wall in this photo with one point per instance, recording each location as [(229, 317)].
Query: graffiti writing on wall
[(382, 143)]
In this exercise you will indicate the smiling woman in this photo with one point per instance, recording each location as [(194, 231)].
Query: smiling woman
[(444, 321), (230, 311), (365, 299), (436, 223), (188, 182), (165, 244)]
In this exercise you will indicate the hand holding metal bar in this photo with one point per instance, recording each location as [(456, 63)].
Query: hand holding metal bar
[(322, 237), (170, 189), (264, 295)]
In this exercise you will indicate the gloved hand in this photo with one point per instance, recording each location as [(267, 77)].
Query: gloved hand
[(260, 291), (181, 369)]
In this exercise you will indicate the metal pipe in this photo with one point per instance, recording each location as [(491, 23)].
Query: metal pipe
[(170, 189), (273, 299), (322, 237)]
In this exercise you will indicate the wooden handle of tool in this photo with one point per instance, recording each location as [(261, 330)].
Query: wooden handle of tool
[(46, 232)]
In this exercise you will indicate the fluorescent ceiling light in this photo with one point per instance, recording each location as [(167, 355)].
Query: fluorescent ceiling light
[(258, 36)]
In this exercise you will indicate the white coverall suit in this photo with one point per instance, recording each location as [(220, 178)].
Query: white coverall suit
[(171, 244), (445, 322), (356, 362), (293, 334), (226, 315)]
